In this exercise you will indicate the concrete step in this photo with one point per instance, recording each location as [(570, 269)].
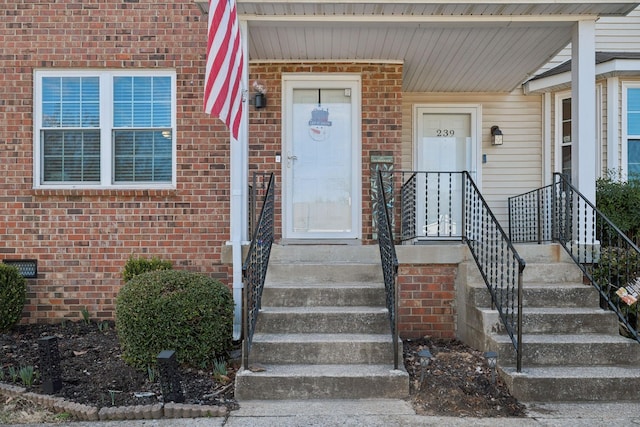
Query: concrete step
[(568, 350), (574, 383), (544, 295), (278, 382), (569, 321), (551, 273), (336, 294), (564, 320), (324, 320), (543, 253), (315, 273), (292, 254), (318, 348)]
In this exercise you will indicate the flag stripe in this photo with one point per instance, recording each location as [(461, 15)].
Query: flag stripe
[(223, 76)]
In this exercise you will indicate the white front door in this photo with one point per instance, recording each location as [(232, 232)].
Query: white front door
[(446, 140), (321, 155)]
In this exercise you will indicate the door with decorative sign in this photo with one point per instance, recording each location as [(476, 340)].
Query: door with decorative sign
[(321, 159)]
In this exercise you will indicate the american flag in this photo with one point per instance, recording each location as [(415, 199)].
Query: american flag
[(223, 92)]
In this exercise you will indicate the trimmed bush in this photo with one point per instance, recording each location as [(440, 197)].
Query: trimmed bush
[(620, 202), (136, 266), (174, 310), (13, 295)]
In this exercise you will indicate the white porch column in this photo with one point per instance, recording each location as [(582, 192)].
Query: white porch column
[(583, 126), (239, 196), (583, 108)]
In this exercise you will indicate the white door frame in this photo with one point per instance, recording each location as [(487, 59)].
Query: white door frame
[(291, 81), (475, 110)]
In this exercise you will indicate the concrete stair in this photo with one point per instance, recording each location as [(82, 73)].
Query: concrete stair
[(572, 350), (323, 329)]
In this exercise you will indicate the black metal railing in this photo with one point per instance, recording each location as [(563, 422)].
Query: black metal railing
[(497, 259), (431, 205), (609, 260), (388, 257), (254, 268), (448, 206), (257, 190)]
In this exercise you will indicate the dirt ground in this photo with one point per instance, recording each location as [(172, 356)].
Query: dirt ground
[(457, 381)]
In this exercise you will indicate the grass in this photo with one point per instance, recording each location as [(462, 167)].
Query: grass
[(16, 410)]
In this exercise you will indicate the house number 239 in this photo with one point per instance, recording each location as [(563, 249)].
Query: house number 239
[(444, 132)]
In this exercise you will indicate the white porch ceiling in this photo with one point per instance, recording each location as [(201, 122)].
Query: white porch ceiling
[(492, 46)]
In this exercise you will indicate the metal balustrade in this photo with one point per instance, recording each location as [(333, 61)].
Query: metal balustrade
[(254, 268), (609, 260), (446, 206)]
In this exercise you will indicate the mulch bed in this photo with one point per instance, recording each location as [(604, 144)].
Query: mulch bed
[(457, 382)]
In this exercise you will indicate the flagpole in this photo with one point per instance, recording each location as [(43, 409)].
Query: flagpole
[(239, 184)]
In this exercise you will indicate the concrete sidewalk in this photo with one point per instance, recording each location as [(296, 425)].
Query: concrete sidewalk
[(388, 413)]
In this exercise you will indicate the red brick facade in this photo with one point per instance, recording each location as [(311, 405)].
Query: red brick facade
[(82, 238), (427, 296)]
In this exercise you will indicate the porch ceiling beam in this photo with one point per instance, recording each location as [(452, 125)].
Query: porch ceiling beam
[(440, 2), (504, 20)]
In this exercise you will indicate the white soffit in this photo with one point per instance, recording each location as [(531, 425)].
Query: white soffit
[(491, 46)]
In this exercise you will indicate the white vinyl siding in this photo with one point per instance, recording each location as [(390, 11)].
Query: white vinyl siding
[(512, 168), (613, 34)]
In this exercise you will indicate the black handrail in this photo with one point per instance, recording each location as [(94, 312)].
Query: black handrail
[(388, 258), (254, 269), (497, 259), (455, 209), (609, 260)]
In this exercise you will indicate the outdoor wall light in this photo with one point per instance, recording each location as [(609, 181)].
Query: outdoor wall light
[(424, 356), (496, 135), (492, 361), (260, 98)]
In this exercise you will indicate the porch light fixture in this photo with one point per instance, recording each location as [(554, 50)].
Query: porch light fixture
[(424, 356), (496, 135), (260, 98), (492, 361)]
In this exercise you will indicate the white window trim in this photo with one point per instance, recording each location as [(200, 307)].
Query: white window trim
[(106, 127), (599, 139), (475, 111), (624, 161), (560, 96)]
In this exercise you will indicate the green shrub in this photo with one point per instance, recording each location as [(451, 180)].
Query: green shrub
[(174, 310), (616, 267), (136, 266), (620, 202), (13, 295)]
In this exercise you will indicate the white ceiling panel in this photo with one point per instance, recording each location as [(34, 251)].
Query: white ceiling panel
[(457, 46), (436, 58)]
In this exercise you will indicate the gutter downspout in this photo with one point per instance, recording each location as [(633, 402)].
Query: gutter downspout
[(239, 170)]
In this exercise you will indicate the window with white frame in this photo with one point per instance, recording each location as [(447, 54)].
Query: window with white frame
[(631, 120), (563, 134), (104, 129)]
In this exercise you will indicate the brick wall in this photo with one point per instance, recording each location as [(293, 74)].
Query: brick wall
[(82, 238), (427, 296)]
